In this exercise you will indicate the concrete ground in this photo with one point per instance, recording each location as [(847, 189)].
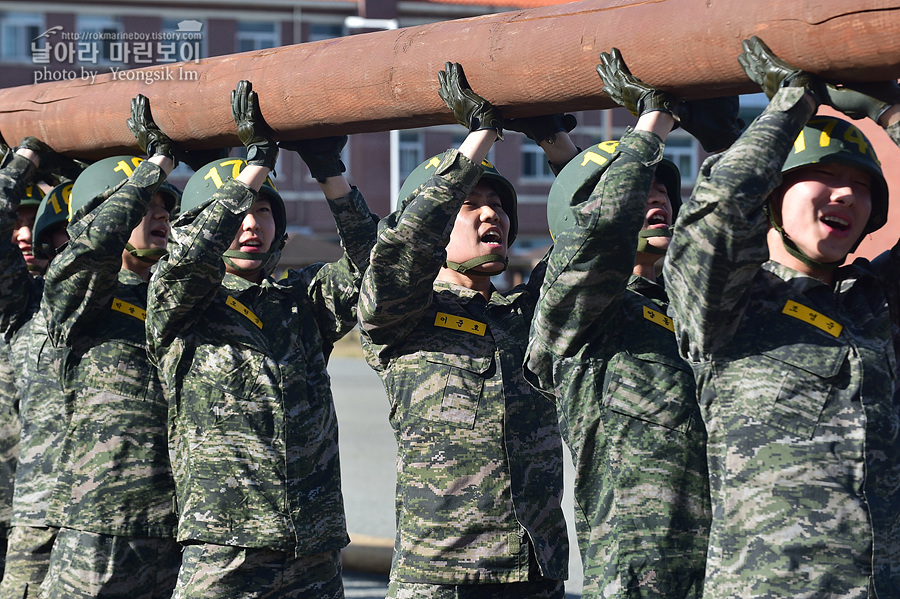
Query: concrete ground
[(368, 453)]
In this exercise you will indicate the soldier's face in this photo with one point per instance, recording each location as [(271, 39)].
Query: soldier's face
[(481, 227), (153, 230), (254, 237), (22, 236), (659, 213), (824, 209)]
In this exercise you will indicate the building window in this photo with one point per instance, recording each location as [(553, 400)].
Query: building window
[(324, 31), (100, 40), (17, 30), (534, 163), (683, 152), (412, 152), (253, 35)]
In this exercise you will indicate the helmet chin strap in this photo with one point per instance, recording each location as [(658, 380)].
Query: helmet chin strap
[(34, 269), (150, 255), (644, 245), (794, 250), (467, 267), (262, 257)]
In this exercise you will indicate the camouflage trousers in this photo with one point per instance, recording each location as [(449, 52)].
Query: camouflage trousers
[(217, 571), (543, 589), (86, 564), (27, 561)]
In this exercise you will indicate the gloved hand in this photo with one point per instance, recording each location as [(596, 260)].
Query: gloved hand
[(322, 155), (149, 136), (861, 100), (713, 122), (53, 165), (540, 128), (197, 159), (471, 110), (253, 131), (771, 73), (629, 91)]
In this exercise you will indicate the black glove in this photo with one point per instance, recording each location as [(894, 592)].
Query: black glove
[(322, 155), (150, 137), (253, 131), (771, 73), (471, 110), (541, 128), (197, 159), (53, 165), (713, 122), (629, 91), (861, 100)]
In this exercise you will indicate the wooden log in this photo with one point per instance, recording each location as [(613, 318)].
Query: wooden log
[(527, 62)]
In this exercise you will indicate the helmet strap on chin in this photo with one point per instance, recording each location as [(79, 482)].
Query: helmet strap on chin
[(467, 267), (794, 250), (644, 245), (263, 258), (149, 255)]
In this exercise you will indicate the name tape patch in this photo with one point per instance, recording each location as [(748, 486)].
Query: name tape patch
[(659, 318), (817, 319), (241, 308), (459, 323), (129, 309)]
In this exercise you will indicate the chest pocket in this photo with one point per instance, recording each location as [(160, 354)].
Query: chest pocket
[(800, 378), (450, 388), (653, 387)]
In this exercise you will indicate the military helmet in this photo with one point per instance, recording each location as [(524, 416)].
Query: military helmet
[(581, 174), (491, 175), (208, 179), (103, 176), (32, 196), (829, 140), (53, 211)]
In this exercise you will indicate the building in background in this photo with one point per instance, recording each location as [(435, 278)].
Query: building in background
[(64, 38)]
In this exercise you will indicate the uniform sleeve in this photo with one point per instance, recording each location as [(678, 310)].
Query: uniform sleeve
[(187, 279), (592, 261), (334, 288), (887, 265), (16, 285), (80, 282), (410, 251), (719, 242)]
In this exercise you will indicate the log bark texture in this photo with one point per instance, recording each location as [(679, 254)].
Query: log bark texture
[(527, 62)]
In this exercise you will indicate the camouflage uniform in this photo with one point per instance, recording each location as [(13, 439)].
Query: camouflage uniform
[(803, 448), (114, 495), (602, 344), (20, 296), (479, 468), (253, 431)]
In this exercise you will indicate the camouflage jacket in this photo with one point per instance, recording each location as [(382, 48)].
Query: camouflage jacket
[(796, 384), (479, 467), (43, 421), (253, 431), (20, 296), (602, 344), (113, 472)]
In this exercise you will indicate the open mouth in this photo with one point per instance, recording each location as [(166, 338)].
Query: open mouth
[(657, 219), (161, 233), (836, 222), (493, 237), (251, 245)]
